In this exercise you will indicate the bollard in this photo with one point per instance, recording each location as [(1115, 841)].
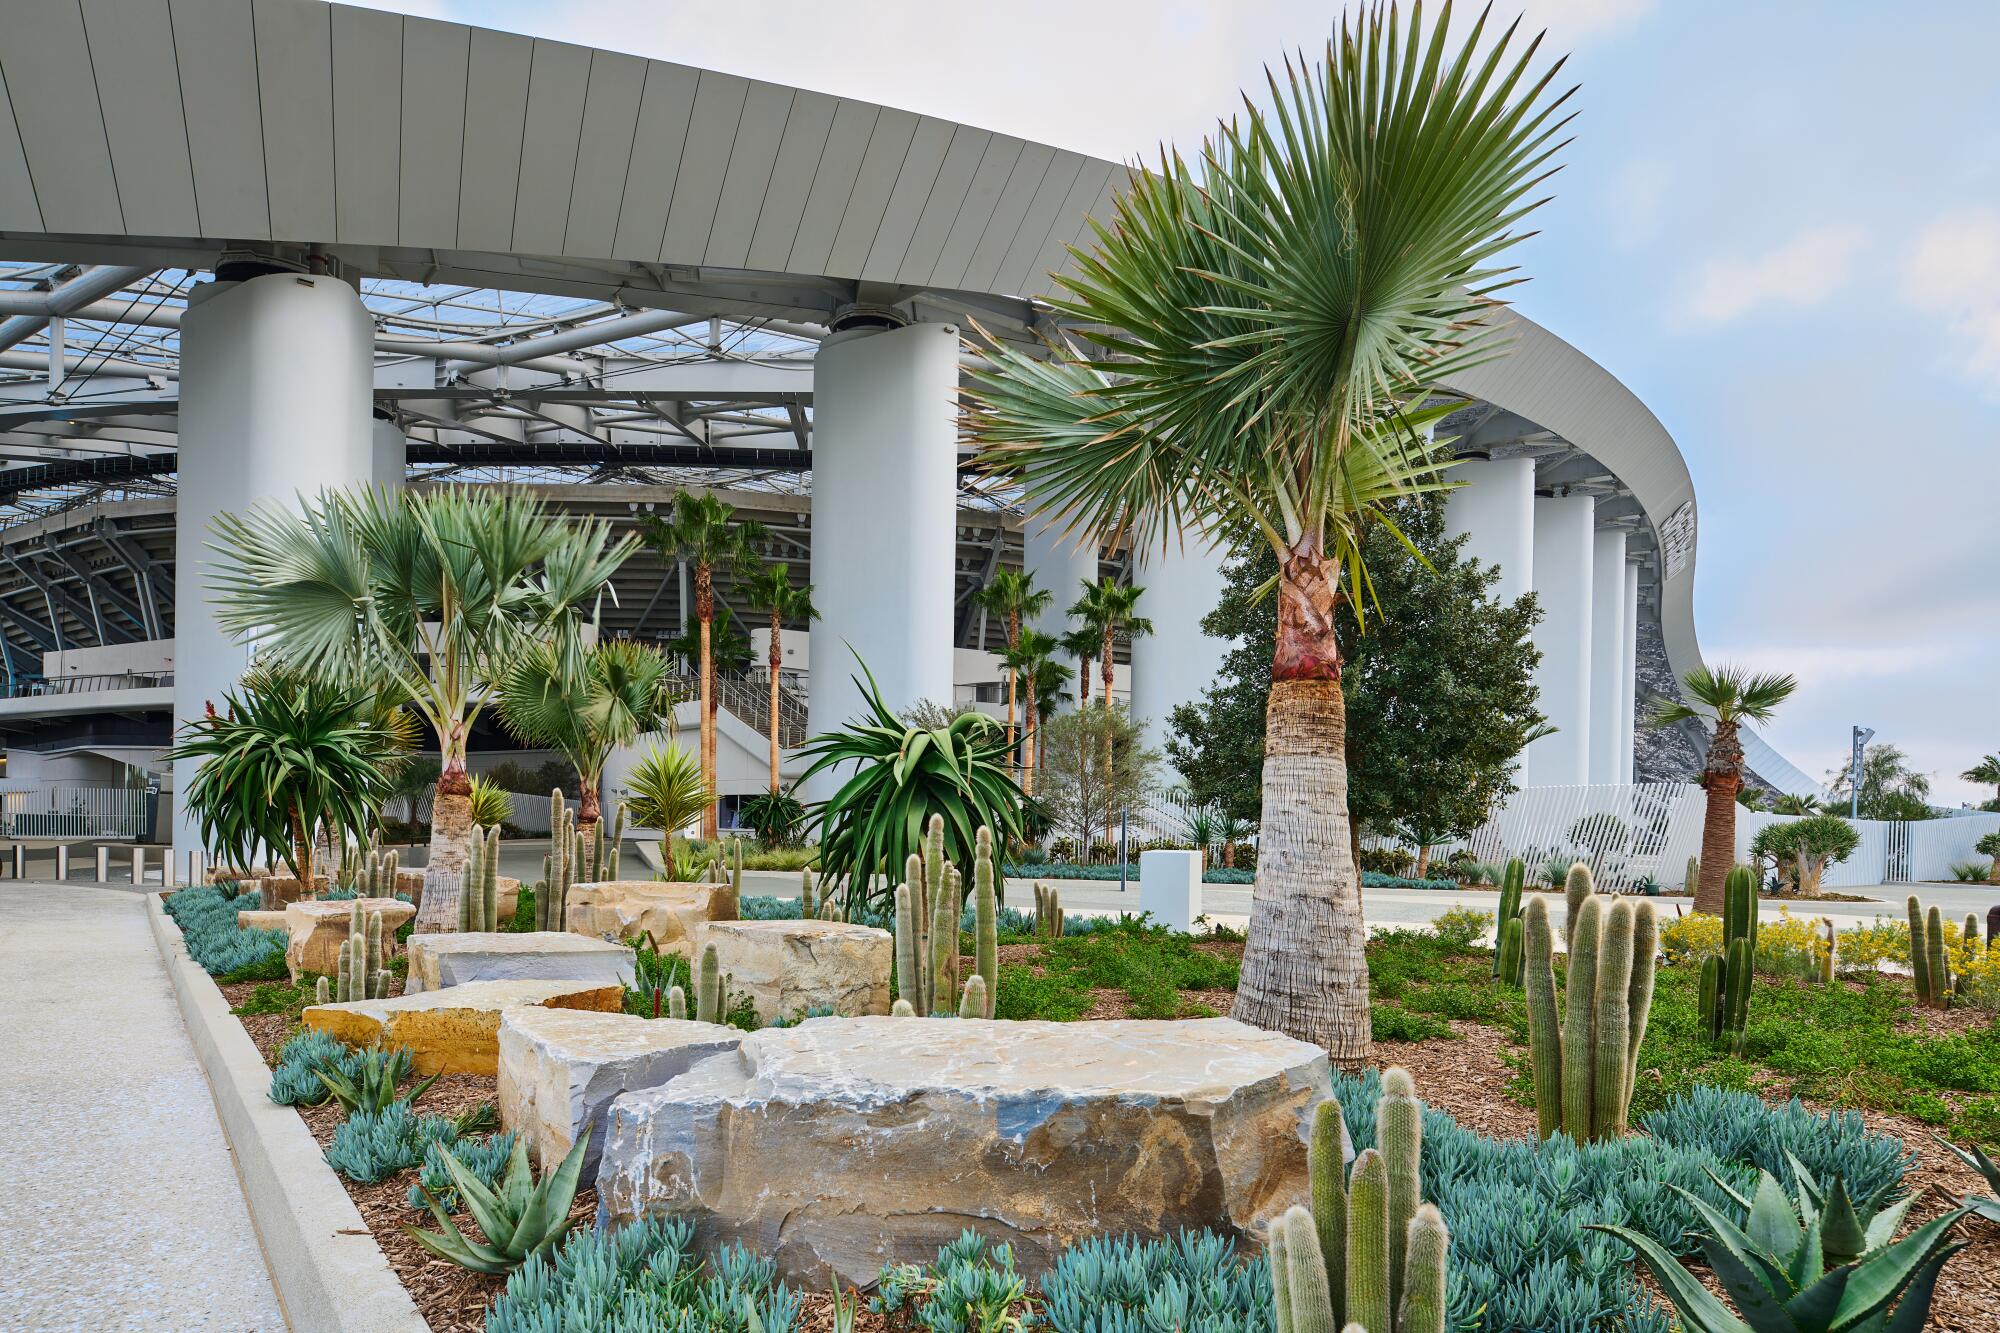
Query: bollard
[(62, 861), (138, 867), (194, 868), (103, 865)]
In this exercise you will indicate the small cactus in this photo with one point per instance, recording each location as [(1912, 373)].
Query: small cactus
[(1368, 1290), (479, 890), (708, 988), (1826, 954), (1693, 879), (359, 974), (1048, 912), (558, 867), (1726, 999), (1506, 964), (985, 922), (322, 991), (1920, 954), (806, 909), (677, 1002), (1326, 1169), (902, 1009), (973, 1002)]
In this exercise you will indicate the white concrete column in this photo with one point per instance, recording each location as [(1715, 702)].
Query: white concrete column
[(1062, 565), (1495, 512), (1628, 673), (1563, 559), (277, 386), (884, 518), (1607, 655), (390, 454), (1176, 662)]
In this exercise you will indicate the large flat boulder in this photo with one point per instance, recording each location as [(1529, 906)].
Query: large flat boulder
[(667, 915), (319, 930), (437, 961), (855, 1142), (456, 1030), (253, 918), (790, 967), (560, 1069)]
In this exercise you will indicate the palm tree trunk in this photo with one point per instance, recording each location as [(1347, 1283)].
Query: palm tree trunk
[(451, 808), (1027, 734), (1013, 756), (1110, 833), (704, 603), (1722, 776), (777, 660), (1304, 969)]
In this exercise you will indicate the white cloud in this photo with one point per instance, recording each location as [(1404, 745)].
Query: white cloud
[(1953, 272), (1799, 272)]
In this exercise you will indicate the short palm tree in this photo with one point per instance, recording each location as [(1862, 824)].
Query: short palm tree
[(1263, 326), (771, 591), (1033, 657), (1987, 770), (583, 704), (1082, 643), (1012, 595), (424, 596), (1724, 697), (289, 760), (703, 533)]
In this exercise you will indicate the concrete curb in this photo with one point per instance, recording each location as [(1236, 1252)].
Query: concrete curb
[(330, 1275)]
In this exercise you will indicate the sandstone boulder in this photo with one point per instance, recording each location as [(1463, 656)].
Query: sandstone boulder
[(251, 918), (275, 892), (319, 929), (668, 915), (560, 1069), (456, 1030), (437, 961), (789, 967), (410, 884), (854, 1142)]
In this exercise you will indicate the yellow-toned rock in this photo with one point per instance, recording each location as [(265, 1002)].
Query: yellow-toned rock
[(455, 1030), (251, 918), (848, 1143), (669, 916), (319, 929), (788, 968)]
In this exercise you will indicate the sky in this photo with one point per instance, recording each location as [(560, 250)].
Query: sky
[(1779, 224)]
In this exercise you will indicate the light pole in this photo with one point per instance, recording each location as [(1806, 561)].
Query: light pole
[(1862, 735)]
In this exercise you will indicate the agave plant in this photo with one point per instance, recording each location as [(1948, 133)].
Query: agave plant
[(373, 1085), (1976, 1158), (1774, 1270), (776, 817), (895, 776), (1848, 1228), (521, 1219)]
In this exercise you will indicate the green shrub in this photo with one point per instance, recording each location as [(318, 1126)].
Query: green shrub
[(206, 914), (1392, 1022), (1024, 995), (643, 1276), (1460, 926), (1195, 1282)]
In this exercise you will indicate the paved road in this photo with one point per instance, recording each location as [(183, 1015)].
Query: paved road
[(121, 1208)]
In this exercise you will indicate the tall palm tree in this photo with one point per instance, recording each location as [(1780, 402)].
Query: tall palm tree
[(1033, 656), (770, 590), (423, 596), (1048, 687), (1082, 644), (1987, 770), (585, 703), (1012, 595), (1725, 697), (1262, 326), (1108, 610), (702, 532)]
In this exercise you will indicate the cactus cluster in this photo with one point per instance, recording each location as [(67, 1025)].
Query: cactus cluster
[(727, 903), (573, 859), (479, 890), (1586, 1058), (1369, 1253), (711, 989), (1507, 953), (929, 905), (376, 874), (361, 974), (817, 904), (1727, 979), (1930, 960), (1048, 912)]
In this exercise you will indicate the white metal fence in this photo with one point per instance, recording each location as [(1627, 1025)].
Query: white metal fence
[(31, 811)]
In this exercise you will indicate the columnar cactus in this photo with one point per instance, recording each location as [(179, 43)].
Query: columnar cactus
[(1693, 880), (677, 1002), (1048, 912), (1507, 932), (726, 903), (985, 922), (930, 904), (708, 987), (973, 1001), (806, 905), (376, 876), (479, 890), (1353, 1260), (1577, 886), (1586, 1061), (1726, 981), (1937, 967), (359, 974), (1920, 954), (322, 991), (1826, 954), (947, 905)]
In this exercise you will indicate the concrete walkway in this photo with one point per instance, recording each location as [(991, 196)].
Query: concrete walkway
[(121, 1208)]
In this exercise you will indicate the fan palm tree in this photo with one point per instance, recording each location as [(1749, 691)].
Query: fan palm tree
[(424, 596), (1033, 656), (1082, 644), (1012, 595), (1261, 327), (1789, 804), (584, 704), (1987, 770), (770, 590), (702, 533), (1724, 697)]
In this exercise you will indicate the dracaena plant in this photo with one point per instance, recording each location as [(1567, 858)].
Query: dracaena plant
[(1262, 337), (1774, 1269), (894, 776)]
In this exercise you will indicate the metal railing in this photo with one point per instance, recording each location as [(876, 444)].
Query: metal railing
[(60, 810), (92, 684), (748, 696)]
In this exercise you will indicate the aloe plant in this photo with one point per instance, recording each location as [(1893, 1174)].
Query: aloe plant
[(1774, 1271), (1985, 1206), (521, 1219), (373, 1086), (1848, 1228)]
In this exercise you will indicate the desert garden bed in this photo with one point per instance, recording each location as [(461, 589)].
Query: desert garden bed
[(1859, 1045)]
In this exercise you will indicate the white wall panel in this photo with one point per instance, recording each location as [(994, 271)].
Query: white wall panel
[(664, 108), (718, 107), (46, 59), (367, 125), (752, 157), (806, 128), (295, 88), (436, 57), (131, 49), (496, 110)]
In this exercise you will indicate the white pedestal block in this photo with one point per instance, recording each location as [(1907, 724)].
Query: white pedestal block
[(1170, 887)]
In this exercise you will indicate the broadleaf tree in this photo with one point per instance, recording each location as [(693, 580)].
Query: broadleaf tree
[(1259, 340)]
